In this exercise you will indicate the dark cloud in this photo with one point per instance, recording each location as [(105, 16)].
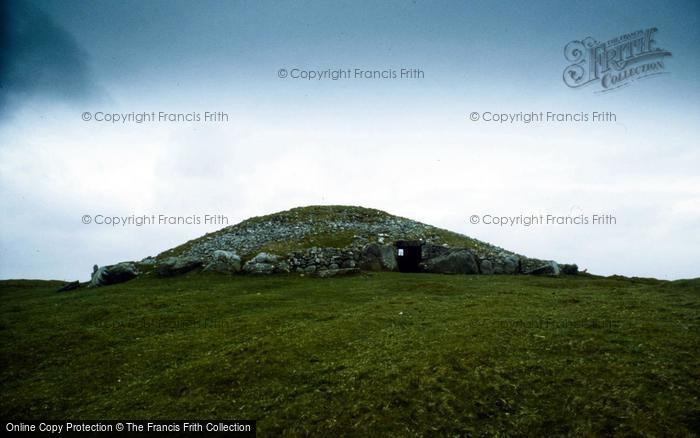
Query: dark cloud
[(38, 57)]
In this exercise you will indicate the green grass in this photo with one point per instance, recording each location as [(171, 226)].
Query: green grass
[(382, 354), (330, 239)]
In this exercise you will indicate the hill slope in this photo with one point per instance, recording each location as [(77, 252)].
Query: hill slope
[(333, 226), (329, 241)]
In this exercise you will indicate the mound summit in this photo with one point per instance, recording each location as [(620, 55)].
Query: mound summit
[(327, 241)]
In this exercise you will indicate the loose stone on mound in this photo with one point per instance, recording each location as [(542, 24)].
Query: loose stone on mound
[(550, 269), (225, 262), (376, 257), (113, 274), (569, 269), (173, 266), (486, 267), (265, 263), (458, 262), (431, 251)]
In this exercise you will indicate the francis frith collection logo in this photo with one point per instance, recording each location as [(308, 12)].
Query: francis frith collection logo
[(615, 63)]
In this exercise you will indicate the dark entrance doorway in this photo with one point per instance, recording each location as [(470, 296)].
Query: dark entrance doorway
[(408, 255)]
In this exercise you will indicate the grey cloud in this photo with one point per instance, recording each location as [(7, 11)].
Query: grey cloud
[(38, 58)]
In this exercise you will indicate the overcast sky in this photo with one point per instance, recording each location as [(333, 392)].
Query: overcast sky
[(404, 146)]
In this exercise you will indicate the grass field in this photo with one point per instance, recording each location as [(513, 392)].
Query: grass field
[(390, 354)]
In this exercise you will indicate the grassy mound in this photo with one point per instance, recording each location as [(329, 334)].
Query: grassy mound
[(331, 226), (375, 354)]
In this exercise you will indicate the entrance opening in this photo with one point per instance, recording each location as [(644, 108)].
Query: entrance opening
[(408, 255)]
